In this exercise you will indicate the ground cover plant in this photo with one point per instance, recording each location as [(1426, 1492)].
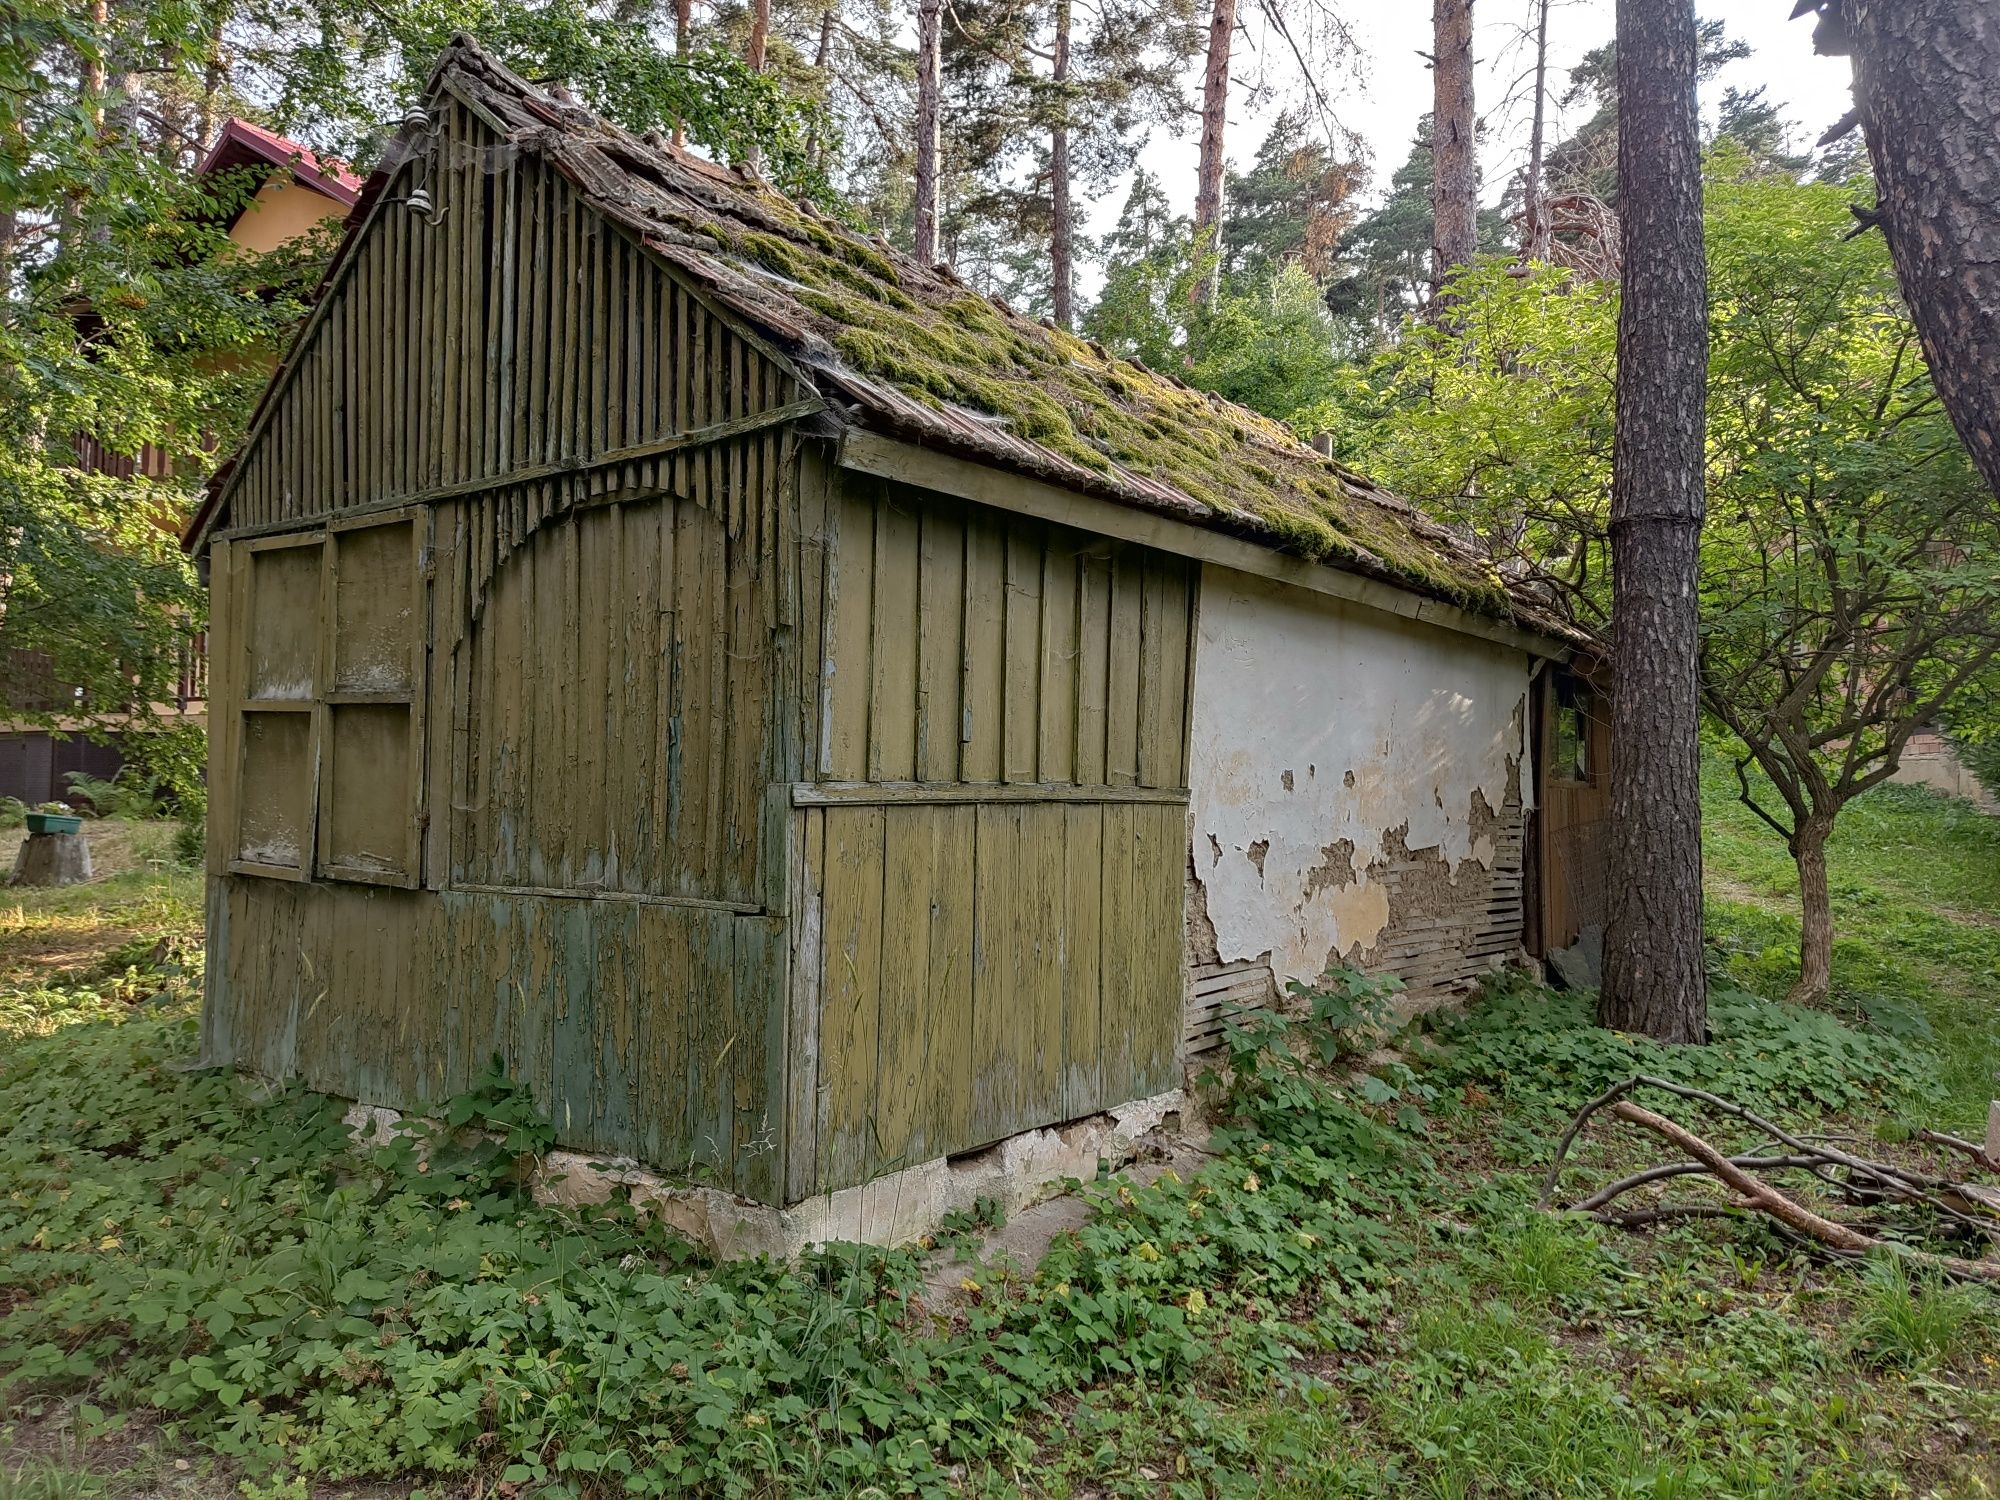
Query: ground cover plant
[(203, 1292)]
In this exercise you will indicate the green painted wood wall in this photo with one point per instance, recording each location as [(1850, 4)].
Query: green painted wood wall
[(989, 864), (776, 826)]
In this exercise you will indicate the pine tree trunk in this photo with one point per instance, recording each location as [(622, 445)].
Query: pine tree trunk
[(1808, 845), (1214, 121), (683, 45), (1062, 212), (1536, 216), (753, 54), (1653, 977), (1455, 183), (822, 56), (930, 86), (1927, 89)]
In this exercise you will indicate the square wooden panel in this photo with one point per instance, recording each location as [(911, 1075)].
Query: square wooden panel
[(368, 825), (274, 795), (281, 624), (376, 609)]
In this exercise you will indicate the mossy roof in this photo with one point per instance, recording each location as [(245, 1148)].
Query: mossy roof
[(912, 351)]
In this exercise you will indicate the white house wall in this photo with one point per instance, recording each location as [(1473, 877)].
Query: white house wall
[(1357, 784)]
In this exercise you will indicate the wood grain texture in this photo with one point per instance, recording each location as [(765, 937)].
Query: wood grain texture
[(982, 968), (965, 644), (497, 348), (400, 998)]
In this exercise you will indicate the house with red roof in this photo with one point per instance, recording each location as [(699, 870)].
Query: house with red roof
[(296, 189)]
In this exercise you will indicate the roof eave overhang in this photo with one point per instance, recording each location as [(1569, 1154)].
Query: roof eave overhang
[(884, 456)]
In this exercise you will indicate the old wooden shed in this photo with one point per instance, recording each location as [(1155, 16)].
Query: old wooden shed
[(806, 718)]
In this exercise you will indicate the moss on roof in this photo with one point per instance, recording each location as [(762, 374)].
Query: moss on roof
[(842, 302)]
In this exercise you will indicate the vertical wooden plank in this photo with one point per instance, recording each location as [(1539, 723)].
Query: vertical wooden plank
[(1057, 759), (910, 1014), (940, 642), (563, 791), (1121, 752), (1083, 957), (950, 999), (1160, 974), (1021, 711), (543, 652), (664, 728), (713, 1031), (1162, 670), (806, 482), (668, 989), (1093, 673), (601, 342), (852, 989), (690, 769), (850, 582), (572, 340), (1042, 924), (802, 1031), (714, 642), (1186, 604), (892, 710), (442, 682), (600, 633), (758, 1058), (1121, 933), (635, 726), (985, 636), (997, 1001), (744, 771)]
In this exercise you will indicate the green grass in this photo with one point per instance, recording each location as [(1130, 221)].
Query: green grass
[(204, 1293), (1915, 884)]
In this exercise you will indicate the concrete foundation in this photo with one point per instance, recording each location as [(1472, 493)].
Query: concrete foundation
[(892, 1210)]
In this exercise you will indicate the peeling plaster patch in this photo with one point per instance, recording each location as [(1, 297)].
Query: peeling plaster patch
[(1335, 870), (1362, 910), (1215, 845), (1425, 728)]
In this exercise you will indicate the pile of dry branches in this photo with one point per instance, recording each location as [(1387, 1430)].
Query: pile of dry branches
[(1965, 1211)]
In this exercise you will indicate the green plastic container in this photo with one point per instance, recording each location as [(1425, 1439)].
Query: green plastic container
[(41, 822)]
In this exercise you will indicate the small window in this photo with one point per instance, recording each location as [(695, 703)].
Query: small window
[(1569, 754), (328, 776)]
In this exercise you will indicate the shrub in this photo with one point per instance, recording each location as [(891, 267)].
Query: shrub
[(1544, 1050)]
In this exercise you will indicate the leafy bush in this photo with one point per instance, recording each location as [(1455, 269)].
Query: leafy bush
[(129, 794), (1543, 1049), (13, 812)]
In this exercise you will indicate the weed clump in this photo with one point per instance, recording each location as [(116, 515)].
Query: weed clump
[(1543, 1050), (307, 1305)]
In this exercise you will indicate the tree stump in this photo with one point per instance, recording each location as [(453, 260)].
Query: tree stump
[(52, 859)]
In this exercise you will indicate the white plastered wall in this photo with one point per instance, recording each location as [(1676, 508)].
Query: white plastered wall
[(1321, 730)]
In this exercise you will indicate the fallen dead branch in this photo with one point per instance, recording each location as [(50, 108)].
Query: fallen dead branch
[(1971, 1209)]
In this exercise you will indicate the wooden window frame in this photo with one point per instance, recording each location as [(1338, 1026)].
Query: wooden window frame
[(326, 697), (245, 706), (412, 697)]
